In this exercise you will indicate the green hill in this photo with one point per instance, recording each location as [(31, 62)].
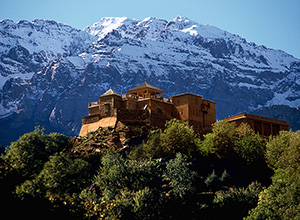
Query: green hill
[(140, 173)]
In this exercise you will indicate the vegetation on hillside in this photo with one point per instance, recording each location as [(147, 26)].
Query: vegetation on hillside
[(173, 174)]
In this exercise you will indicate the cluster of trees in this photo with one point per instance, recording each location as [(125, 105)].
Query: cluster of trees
[(174, 174)]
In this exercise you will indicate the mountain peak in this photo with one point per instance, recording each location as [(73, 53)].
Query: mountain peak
[(107, 25), (55, 63)]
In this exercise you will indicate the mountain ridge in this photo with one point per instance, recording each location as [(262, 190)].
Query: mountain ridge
[(50, 71)]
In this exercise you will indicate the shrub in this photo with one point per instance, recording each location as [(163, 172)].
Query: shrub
[(211, 178)]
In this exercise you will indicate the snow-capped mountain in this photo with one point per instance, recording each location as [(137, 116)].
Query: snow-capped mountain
[(25, 48), (50, 71)]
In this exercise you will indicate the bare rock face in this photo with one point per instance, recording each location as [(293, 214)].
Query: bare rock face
[(50, 71)]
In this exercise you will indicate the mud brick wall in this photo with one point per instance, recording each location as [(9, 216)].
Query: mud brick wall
[(141, 116), (132, 115), (90, 119)]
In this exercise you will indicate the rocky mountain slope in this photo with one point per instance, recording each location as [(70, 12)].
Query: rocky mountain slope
[(50, 71)]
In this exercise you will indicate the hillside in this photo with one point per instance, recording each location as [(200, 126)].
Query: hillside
[(50, 71), (173, 174)]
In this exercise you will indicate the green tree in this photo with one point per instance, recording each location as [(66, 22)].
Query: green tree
[(117, 173), (178, 137), (248, 145), (180, 177), (28, 154), (152, 149), (229, 141), (60, 177), (281, 200), (128, 188), (220, 141), (283, 154)]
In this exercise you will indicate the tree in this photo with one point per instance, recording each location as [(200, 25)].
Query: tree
[(117, 173), (220, 141), (281, 200), (178, 137), (248, 145), (180, 176), (128, 188), (60, 176), (283, 154), (228, 141), (152, 149), (28, 154)]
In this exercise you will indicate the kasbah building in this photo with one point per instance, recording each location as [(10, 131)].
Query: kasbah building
[(146, 104)]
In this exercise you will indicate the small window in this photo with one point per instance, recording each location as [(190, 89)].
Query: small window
[(107, 107)]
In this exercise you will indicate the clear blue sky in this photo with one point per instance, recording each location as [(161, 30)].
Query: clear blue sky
[(273, 23)]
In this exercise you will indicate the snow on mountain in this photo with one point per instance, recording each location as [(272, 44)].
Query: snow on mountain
[(50, 71), (26, 47)]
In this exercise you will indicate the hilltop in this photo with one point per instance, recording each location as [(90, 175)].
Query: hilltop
[(172, 174)]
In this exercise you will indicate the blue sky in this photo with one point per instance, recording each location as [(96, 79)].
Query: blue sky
[(273, 23)]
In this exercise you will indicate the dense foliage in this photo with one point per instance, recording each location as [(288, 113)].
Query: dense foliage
[(175, 174)]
